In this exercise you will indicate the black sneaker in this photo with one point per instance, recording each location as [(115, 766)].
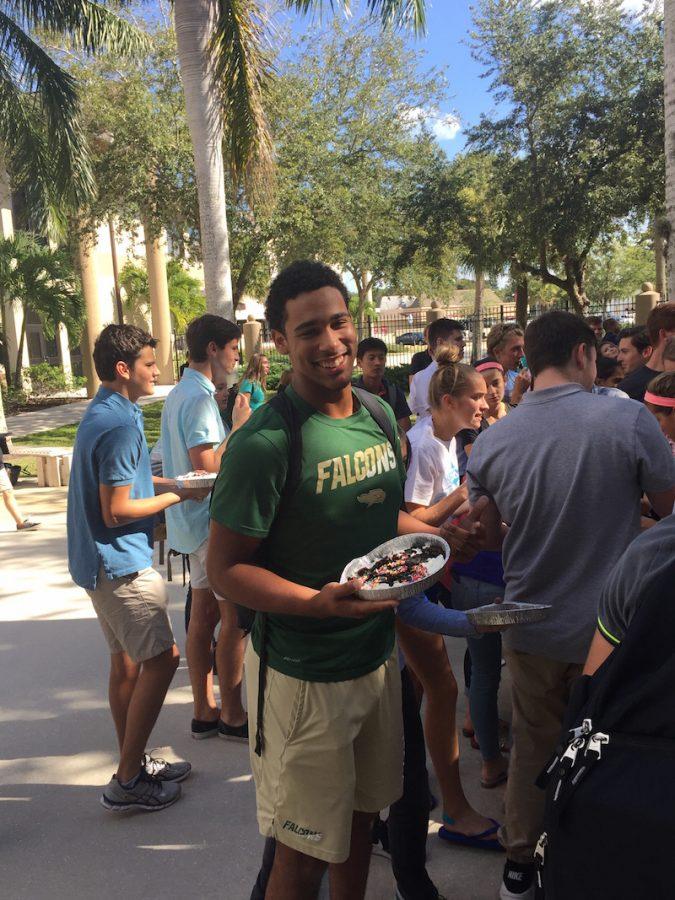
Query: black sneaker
[(518, 881), (233, 732), (148, 793), (379, 838), (201, 729)]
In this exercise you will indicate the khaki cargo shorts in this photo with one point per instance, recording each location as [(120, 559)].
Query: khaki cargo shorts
[(133, 614), (329, 749)]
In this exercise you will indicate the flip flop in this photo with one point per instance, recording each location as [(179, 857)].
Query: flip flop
[(477, 841), (491, 783)]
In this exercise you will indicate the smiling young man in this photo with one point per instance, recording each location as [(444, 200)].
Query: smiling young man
[(331, 750), (112, 499)]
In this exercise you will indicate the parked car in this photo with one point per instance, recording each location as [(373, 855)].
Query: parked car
[(410, 338)]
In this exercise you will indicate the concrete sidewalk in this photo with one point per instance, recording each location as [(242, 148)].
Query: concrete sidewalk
[(58, 750), (67, 414)]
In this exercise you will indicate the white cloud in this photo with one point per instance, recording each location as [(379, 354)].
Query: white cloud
[(445, 126)]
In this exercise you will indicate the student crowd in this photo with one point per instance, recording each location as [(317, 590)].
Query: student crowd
[(550, 484)]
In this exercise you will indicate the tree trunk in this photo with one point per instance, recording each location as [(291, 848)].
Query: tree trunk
[(478, 315), (659, 256), (194, 21), (522, 300), (3, 420), (669, 90), (18, 372)]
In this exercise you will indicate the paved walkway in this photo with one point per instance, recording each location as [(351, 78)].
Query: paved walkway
[(57, 750), (67, 414)]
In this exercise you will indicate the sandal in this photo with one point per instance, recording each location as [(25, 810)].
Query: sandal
[(26, 524), (477, 841)]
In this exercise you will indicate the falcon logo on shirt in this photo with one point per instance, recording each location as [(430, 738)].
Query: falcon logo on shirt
[(377, 495), (351, 468)]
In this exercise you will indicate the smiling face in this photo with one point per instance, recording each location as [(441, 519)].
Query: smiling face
[(610, 350), (141, 377), (630, 357), (510, 353), (320, 339), (264, 366)]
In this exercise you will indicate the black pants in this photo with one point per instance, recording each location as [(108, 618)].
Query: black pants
[(408, 821)]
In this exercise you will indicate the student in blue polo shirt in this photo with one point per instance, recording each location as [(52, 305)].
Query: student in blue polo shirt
[(112, 498), (193, 438)]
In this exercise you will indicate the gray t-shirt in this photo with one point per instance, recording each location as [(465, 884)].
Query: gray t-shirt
[(631, 580), (566, 470)]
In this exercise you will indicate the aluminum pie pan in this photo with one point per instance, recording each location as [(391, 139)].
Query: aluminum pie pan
[(195, 481), (508, 614), (401, 592)]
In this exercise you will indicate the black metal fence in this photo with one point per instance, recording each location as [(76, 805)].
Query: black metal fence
[(403, 330)]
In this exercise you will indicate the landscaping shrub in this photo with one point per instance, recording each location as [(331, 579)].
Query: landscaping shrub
[(47, 379)]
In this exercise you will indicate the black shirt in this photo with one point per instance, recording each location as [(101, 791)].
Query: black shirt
[(420, 361), (392, 394), (635, 383)]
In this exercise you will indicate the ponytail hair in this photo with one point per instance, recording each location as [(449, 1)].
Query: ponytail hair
[(451, 378)]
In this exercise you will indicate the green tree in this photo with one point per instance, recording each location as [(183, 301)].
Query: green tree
[(186, 298), (44, 146), (226, 71), (352, 139), (617, 268), (460, 205), (44, 282), (580, 139)]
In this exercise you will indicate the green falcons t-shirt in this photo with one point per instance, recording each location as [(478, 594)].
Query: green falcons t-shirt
[(347, 503)]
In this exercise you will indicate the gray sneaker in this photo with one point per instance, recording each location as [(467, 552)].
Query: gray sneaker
[(165, 771), (148, 793)]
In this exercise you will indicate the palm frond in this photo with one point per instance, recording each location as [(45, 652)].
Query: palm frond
[(243, 70), (392, 13), (89, 25), (37, 78)]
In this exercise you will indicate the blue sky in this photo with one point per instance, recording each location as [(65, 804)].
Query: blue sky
[(446, 46)]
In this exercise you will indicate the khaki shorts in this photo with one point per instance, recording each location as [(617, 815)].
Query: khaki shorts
[(329, 749), (132, 611), (5, 483), (198, 578)]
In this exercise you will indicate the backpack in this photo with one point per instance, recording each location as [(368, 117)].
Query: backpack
[(609, 827), (289, 413)]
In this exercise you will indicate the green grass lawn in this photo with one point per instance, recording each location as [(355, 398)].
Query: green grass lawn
[(65, 436)]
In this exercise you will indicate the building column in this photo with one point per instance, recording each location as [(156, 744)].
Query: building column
[(155, 256), (88, 274)]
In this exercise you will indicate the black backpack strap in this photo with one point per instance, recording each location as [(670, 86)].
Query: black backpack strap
[(374, 407), (289, 413)]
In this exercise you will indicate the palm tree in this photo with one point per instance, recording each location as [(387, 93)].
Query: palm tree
[(225, 69), (44, 282), (669, 87), (43, 144)]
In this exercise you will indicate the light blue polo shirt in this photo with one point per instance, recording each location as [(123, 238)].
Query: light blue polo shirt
[(110, 449), (190, 418)]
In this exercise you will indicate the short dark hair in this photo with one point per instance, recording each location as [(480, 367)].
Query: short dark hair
[(370, 343), (204, 329), (551, 338), (611, 322), (301, 277), (637, 334), (607, 366), (442, 330), (662, 316), (594, 320), (119, 343)]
